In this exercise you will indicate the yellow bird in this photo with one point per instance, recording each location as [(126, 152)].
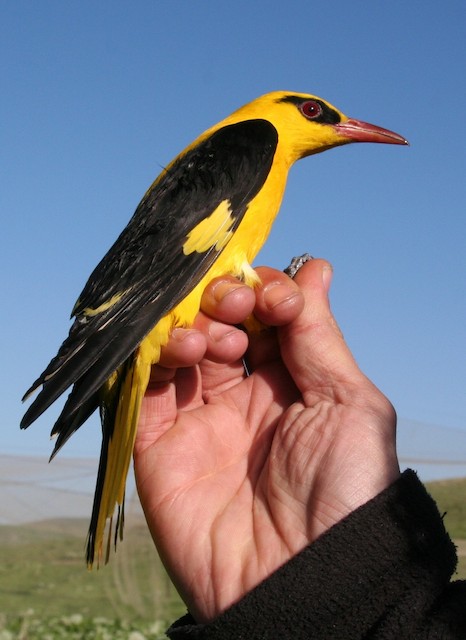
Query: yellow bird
[(207, 214)]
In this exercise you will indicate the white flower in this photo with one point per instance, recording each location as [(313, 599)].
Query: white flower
[(75, 619), (135, 635)]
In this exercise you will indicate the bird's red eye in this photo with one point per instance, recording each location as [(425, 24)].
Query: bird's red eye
[(311, 109)]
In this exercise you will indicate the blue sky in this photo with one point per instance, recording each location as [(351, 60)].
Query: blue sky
[(98, 96)]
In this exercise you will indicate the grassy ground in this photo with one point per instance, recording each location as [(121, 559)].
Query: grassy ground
[(450, 496), (43, 575), (46, 593)]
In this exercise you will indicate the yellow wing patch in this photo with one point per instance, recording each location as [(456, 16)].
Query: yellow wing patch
[(213, 231), (88, 311)]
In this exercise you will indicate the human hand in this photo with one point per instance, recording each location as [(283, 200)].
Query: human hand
[(237, 474)]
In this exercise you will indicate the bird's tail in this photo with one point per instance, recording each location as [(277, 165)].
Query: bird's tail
[(120, 408)]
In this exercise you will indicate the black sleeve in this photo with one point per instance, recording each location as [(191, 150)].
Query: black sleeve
[(381, 573)]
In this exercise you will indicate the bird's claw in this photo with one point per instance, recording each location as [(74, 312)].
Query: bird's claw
[(296, 264)]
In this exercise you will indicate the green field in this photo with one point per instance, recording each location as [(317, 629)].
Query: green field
[(44, 584), (46, 592), (450, 496)]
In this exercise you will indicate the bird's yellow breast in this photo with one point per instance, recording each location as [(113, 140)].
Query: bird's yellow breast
[(236, 258)]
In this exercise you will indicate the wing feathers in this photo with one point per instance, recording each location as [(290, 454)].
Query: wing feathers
[(69, 422), (146, 273)]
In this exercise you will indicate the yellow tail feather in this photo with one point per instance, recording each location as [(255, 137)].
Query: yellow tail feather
[(115, 460)]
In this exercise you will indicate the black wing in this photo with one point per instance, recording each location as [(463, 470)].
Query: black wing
[(145, 273)]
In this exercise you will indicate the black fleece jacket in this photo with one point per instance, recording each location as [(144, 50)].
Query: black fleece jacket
[(381, 573)]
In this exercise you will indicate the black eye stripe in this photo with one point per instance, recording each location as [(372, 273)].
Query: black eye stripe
[(328, 115)]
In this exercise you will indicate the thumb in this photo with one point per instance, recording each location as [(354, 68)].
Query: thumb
[(312, 345)]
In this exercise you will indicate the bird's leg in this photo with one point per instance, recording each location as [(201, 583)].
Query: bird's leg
[(296, 264)]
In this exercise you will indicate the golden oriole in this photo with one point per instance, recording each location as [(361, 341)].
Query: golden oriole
[(207, 214)]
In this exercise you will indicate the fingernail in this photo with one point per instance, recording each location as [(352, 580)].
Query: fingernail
[(277, 293), (179, 334), (223, 288), (218, 331), (327, 274)]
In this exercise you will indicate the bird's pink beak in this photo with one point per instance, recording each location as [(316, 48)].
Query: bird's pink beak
[(358, 131)]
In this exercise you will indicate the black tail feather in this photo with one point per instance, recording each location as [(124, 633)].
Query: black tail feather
[(91, 536), (67, 423)]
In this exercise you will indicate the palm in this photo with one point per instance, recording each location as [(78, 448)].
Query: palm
[(252, 469)]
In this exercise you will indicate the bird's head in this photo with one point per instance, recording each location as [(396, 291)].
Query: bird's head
[(307, 124)]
